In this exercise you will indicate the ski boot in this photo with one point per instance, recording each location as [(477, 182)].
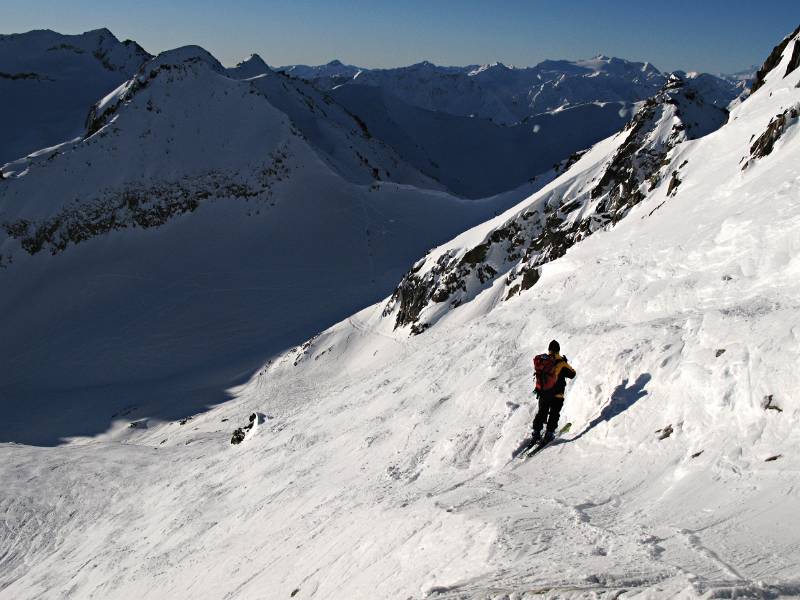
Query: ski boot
[(536, 438), (527, 444), (549, 436)]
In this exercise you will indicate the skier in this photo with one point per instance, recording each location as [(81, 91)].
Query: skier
[(552, 372)]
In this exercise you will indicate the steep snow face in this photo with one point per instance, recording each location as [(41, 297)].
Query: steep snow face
[(505, 255), (48, 81), (193, 232), (379, 463)]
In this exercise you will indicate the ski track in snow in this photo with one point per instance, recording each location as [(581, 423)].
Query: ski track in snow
[(468, 528)]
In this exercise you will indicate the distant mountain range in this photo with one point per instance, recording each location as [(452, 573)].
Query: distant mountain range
[(478, 130), (509, 95)]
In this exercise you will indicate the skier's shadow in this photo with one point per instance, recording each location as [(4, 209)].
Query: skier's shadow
[(622, 398)]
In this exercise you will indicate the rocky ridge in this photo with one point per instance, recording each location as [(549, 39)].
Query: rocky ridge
[(775, 57)]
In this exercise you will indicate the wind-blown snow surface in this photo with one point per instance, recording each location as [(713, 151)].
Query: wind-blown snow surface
[(381, 467)]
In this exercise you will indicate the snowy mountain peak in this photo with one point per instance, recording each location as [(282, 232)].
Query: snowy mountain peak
[(49, 80), (423, 65), (101, 33), (136, 49), (177, 63), (491, 67), (334, 72), (185, 55), (250, 67), (253, 59), (45, 52), (619, 67)]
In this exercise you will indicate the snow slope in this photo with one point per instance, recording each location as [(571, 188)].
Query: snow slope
[(379, 468), (196, 230), (48, 81)]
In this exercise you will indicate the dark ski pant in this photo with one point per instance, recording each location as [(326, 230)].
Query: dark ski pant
[(549, 411)]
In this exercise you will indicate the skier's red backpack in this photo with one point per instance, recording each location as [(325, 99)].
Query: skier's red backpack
[(544, 366)]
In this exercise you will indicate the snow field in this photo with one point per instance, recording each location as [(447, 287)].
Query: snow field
[(382, 470)]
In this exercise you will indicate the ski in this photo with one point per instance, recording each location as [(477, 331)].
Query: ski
[(539, 447)]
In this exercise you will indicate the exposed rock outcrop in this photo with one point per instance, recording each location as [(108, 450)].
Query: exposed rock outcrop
[(774, 59), (143, 207), (794, 61), (778, 125), (240, 433)]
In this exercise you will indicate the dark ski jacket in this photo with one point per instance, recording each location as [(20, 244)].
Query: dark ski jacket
[(563, 372)]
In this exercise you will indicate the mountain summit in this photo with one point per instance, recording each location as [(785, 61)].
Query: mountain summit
[(252, 67), (48, 81)]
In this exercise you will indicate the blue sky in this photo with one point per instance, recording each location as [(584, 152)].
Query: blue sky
[(705, 35)]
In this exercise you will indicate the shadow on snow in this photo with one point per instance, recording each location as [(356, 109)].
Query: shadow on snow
[(622, 398)]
